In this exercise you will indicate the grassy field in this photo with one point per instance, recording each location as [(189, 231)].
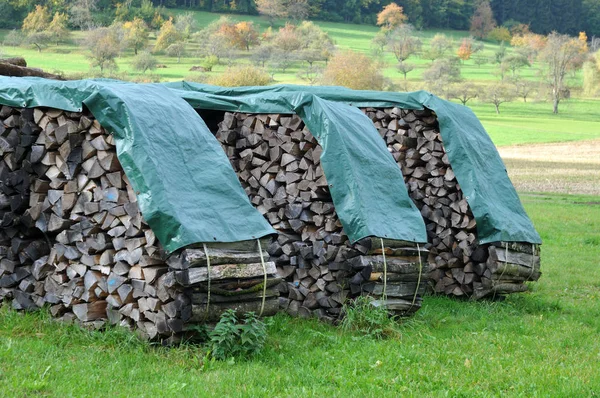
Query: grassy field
[(542, 343)]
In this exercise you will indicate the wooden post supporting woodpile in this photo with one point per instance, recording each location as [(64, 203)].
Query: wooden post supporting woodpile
[(460, 266), (278, 163)]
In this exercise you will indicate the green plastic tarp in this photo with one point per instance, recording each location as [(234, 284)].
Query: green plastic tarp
[(475, 161), (187, 191)]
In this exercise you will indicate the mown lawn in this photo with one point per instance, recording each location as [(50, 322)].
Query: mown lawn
[(542, 343)]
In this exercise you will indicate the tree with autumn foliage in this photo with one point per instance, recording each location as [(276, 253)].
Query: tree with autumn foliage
[(482, 21), (35, 27), (57, 29), (167, 35), (391, 17), (136, 34), (272, 9), (245, 35), (465, 50)]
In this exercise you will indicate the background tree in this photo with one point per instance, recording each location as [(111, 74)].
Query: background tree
[(312, 74), (499, 34), (144, 61), (262, 54), (482, 21), (176, 49), (463, 91), (81, 14), (591, 75), (515, 61), (272, 9), (402, 42), (522, 88), (35, 27), (558, 55), (136, 34), (438, 46), (480, 60), (104, 47), (405, 68), (245, 35), (298, 10), (167, 35), (441, 74), (14, 38), (391, 17), (465, 50), (57, 29), (353, 70), (497, 94), (185, 25)]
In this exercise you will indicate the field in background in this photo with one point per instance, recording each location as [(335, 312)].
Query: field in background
[(541, 343)]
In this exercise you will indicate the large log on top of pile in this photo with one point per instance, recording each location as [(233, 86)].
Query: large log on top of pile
[(278, 162), (460, 265)]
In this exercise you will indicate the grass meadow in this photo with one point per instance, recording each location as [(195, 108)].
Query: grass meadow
[(543, 343)]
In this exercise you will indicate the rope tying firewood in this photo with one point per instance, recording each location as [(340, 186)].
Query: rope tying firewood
[(384, 295), (264, 295), (419, 277), (208, 281)]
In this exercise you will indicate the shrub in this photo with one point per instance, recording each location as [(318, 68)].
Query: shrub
[(353, 70), (230, 339), (242, 75)]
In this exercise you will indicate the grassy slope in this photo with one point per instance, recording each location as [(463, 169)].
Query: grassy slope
[(542, 343)]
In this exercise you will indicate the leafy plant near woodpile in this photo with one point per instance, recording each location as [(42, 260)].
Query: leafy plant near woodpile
[(362, 316), (230, 338)]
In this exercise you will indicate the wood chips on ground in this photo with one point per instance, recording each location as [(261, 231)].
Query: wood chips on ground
[(565, 167)]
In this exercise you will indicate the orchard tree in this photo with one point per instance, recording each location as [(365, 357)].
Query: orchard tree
[(144, 61), (176, 49), (272, 9), (522, 88), (136, 34), (465, 50), (104, 47), (298, 10), (287, 39), (500, 34), (262, 54), (405, 68), (245, 35), (57, 29), (440, 44), (441, 74), (497, 94), (482, 21), (560, 53), (402, 42), (81, 12), (185, 25), (515, 61), (353, 70), (391, 17), (167, 35), (35, 27), (463, 91)]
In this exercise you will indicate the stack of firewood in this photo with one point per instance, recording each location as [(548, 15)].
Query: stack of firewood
[(278, 163), (460, 266)]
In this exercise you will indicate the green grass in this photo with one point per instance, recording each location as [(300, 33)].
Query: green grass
[(542, 343)]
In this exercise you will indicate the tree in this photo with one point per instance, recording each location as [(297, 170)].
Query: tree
[(213, 42), (104, 47), (245, 35), (82, 14), (13, 38), (166, 36), (480, 60), (287, 39), (57, 29), (176, 50), (185, 25), (482, 21), (378, 43), (500, 53), (591, 76), (515, 61), (558, 55), (37, 20), (262, 54), (272, 9), (464, 92), (499, 34), (497, 94), (405, 68), (465, 50), (441, 73), (391, 17), (523, 88), (298, 10), (439, 45), (353, 70), (402, 43), (144, 61), (311, 74), (136, 34), (315, 44)]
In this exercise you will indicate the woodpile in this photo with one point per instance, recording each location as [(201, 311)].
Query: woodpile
[(17, 67), (278, 163), (460, 266), (73, 237)]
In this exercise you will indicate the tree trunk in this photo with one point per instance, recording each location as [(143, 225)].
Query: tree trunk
[(497, 108)]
